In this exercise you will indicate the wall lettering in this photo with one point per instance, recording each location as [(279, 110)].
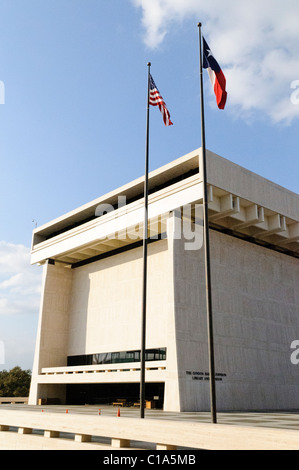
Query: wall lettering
[(205, 376)]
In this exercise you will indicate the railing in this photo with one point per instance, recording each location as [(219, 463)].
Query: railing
[(123, 372), (103, 368), (124, 432)]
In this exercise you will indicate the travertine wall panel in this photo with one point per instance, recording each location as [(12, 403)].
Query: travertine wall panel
[(256, 317), (106, 305)]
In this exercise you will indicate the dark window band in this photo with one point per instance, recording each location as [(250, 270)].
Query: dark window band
[(158, 354)]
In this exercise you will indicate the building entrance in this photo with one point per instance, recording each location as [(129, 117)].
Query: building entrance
[(97, 394)]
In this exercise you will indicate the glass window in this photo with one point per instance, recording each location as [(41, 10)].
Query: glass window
[(115, 357), (158, 354)]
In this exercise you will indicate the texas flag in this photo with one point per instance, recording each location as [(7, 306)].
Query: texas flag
[(216, 75)]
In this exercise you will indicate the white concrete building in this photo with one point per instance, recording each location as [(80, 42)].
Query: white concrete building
[(89, 332)]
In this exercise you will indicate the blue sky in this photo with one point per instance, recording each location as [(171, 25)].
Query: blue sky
[(72, 125)]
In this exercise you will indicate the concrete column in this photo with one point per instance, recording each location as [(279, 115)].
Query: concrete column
[(51, 434), (171, 394), (120, 442), (165, 447), (24, 430), (82, 438), (52, 334)]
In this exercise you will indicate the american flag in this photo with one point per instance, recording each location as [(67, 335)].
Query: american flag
[(155, 99)]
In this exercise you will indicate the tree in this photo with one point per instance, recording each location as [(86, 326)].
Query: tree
[(15, 383)]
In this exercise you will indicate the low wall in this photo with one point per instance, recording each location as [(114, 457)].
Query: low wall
[(165, 434), (13, 400)]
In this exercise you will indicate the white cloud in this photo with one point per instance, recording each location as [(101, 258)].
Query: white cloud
[(20, 283), (256, 44)]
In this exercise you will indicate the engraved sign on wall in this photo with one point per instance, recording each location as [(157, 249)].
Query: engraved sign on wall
[(205, 376)]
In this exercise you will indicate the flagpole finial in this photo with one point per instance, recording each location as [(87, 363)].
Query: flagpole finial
[(199, 25), (149, 64)]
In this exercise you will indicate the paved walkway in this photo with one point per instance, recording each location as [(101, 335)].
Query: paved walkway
[(284, 419)]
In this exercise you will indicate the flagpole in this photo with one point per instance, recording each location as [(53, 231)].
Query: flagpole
[(207, 247), (145, 237)]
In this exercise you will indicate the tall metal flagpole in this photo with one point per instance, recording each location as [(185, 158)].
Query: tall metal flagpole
[(207, 247), (145, 237)]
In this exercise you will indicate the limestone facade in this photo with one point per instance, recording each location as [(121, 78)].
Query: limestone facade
[(92, 290)]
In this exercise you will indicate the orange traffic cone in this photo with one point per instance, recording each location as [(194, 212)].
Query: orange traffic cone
[(99, 411), (66, 411), (118, 412)]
